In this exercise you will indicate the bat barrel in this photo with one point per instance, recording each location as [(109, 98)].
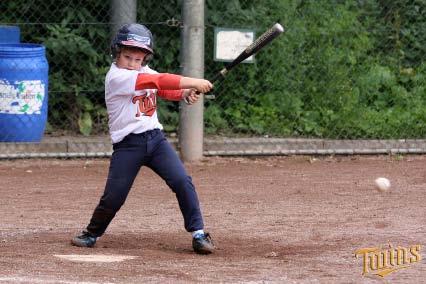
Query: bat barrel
[(258, 44), (278, 27), (265, 38)]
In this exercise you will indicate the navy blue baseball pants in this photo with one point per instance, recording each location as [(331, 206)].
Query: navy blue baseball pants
[(149, 149)]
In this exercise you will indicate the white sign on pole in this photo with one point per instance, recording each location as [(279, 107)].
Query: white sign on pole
[(229, 43)]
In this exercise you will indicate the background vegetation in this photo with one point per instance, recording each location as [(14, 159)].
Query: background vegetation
[(344, 69)]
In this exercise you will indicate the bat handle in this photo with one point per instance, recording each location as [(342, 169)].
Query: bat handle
[(219, 76), (207, 96)]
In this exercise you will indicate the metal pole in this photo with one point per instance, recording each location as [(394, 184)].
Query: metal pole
[(191, 117), (122, 12)]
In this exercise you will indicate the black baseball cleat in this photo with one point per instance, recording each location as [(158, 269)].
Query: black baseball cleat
[(202, 244), (85, 239)]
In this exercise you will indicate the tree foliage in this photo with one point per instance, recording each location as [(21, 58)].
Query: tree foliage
[(343, 69)]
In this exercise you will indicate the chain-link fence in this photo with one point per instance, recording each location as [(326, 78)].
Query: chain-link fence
[(344, 71)]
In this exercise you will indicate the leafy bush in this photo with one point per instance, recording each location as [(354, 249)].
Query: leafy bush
[(343, 69)]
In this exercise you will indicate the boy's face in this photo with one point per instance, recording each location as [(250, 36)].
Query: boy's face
[(130, 58)]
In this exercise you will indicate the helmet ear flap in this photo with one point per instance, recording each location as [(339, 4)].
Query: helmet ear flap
[(115, 50), (147, 59)]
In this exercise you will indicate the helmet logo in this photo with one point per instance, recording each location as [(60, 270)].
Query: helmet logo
[(142, 39)]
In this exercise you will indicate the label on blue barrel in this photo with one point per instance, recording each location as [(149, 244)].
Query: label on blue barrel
[(21, 97)]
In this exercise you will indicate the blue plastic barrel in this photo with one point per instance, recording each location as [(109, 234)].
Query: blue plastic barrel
[(10, 34), (23, 92)]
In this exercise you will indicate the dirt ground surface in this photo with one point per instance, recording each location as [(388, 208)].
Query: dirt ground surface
[(273, 219)]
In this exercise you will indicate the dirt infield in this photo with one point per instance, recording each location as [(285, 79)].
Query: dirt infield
[(274, 220)]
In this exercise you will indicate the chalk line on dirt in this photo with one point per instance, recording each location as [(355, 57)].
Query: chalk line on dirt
[(94, 257), (30, 279)]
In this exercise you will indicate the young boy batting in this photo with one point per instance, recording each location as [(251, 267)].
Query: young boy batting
[(131, 90)]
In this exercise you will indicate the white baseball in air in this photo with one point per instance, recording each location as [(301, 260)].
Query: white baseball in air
[(382, 184)]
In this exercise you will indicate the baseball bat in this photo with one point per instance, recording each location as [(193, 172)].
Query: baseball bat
[(250, 50)]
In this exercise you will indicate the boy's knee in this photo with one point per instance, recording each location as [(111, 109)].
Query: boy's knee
[(181, 183)]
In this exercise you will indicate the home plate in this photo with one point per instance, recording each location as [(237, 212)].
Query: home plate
[(94, 257)]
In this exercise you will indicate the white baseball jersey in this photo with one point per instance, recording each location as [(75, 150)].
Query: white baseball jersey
[(131, 110)]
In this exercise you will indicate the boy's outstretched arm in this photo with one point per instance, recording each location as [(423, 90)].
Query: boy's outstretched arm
[(190, 96), (165, 81), (201, 85)]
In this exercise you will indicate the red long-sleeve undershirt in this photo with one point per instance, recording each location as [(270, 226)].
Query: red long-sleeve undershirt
[(168, 85)]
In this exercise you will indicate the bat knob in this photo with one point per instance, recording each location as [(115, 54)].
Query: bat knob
[(209, 97)]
